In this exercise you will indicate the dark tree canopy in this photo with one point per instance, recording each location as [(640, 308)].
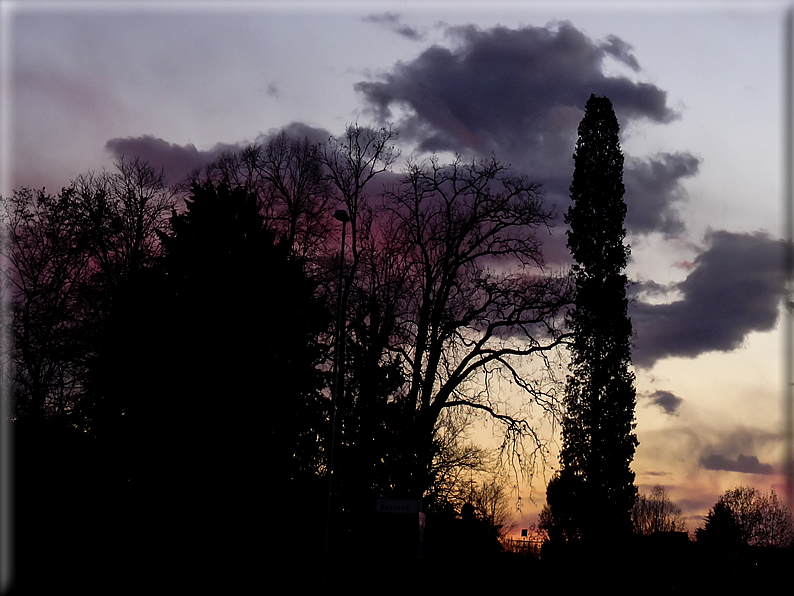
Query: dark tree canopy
[(598, 423), (244, 330), (210, 392), (64, 256), (559, 518), (744, 516)]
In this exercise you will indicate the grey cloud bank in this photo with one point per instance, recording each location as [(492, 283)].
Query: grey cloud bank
[(180, 161), (652, 188), (735, 287), (509, 90), (519, 93), (746, 464)]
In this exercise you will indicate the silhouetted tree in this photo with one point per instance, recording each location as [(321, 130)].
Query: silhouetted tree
[(443, 288), (245, 320), (287, 177), (219, 413), (598, 423), (294, 181), (492, 505), (350, 162), (371, 425), (122, 212), (444, 281), (558, 518), (46, 271), (456, 461), (720, 527), (465, 299), (66, 259), (746, 516), (64, 256), (656, 513)]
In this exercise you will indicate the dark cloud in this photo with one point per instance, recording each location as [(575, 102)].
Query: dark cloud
[(298, 130), (666, 400), (653, 190), (392, 21), (179, 161), (519, 92), (727, 450), (653, 185), (620, 50), (746, 464), (734, 288), (648, 288)]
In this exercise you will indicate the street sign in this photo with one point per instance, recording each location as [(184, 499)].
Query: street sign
[(398, 505)]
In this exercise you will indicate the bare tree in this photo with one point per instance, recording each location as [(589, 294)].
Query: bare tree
[(293, 169), (444, 279), (656, 513), (286, 175), (350, 162), (44, 273), (747, 516), (122, 212), (774, 525), (457, 459), (491, 500), (64, 255), (469, 301)]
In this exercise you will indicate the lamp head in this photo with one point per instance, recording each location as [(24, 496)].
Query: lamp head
[(341, 215)]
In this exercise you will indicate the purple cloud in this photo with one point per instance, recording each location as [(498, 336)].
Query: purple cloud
[(734, 288), (666, 400), (746, 464), (180, 161), (653, 185), (519, 91), (391, 20)]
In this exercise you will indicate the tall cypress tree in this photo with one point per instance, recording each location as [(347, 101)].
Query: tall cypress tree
[(597, 429)]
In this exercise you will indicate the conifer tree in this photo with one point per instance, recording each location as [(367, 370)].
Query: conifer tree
[(598, 424)]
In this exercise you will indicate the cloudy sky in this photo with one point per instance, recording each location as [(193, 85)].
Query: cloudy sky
[(697, 88)]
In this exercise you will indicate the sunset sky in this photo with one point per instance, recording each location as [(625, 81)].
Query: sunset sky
[(698, 89)]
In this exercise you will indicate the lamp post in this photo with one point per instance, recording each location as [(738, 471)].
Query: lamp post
[(340, 215)]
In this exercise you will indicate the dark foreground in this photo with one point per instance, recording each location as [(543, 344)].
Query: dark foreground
[(80, 528)]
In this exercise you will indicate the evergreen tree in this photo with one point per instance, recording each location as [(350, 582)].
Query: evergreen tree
[(598, 425), (213, 394)]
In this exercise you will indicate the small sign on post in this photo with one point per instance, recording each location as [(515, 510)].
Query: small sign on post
[(398, 505)]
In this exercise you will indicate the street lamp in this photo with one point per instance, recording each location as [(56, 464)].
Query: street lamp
[(340, 215), (344, 217)]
